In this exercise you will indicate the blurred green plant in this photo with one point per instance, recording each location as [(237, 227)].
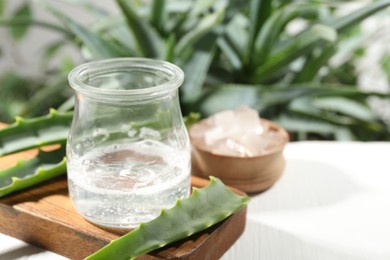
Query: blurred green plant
[(233, 52), (22, 94)]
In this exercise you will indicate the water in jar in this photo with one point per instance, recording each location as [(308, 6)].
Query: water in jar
[(122, 184)]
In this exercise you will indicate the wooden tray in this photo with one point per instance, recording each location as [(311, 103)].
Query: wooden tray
[(43, 216)]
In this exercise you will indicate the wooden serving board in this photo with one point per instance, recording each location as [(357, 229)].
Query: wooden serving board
[(43, 216)]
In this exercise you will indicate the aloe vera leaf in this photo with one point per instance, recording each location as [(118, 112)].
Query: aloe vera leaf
[(18, 32), (197, 67), (67, 105), (26, 173), (100, 47), (302, 126), (313, 64), (274, 26), (2, 7), (29, 21), (201, 6), (170, 47), (49, 94), (259, 12), (306, 42), (147, 40), (344, 23), (262, 97), (346, 106), (158, 15), (205, 25), (31, 133), (317, 34), (204, 208), (237, 35), (230, 53)]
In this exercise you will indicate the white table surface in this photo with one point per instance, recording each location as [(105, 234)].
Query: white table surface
[(332, 202)]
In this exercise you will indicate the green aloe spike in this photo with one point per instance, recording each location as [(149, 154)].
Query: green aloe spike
[(204, 208), (27, 173), (35, 132)]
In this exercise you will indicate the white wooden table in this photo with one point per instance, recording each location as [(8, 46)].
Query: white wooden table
[(332, 202)]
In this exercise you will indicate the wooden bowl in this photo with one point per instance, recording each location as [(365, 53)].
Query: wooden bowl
[(249, 174)]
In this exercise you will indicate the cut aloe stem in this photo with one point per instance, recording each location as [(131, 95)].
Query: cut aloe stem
[(27, 173), (35, 132), (204, 208)]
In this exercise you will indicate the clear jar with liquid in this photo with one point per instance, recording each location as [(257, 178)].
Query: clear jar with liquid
[(128, 151)]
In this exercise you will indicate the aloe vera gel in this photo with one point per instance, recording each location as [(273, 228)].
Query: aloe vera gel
[(128, 150)]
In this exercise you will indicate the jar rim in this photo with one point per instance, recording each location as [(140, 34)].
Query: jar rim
[(173, 72)]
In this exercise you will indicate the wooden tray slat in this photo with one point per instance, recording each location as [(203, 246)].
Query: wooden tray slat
[(44, 216)]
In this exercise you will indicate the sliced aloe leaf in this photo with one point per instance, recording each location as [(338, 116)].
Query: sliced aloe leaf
[(31, 133), (27, 173), (204, 208)]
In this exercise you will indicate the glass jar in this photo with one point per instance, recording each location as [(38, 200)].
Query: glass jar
[(128, 151)]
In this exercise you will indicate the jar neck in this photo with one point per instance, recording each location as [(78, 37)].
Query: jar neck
[(126, 79)]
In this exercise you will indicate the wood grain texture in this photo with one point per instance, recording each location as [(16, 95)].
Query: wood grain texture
[(44, 216)]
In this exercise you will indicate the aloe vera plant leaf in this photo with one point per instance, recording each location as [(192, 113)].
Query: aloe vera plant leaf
[(30, 21), (344, 23), (35, 132), (147, 40), (2, 7), (231, 55), (236, 34), (302, 126), (67, 105), (313, 64), (259, 12), (158, 15), (318, 34), (346, 106), (27, 173), (170, 47), (52, 92), (344, 117), (100, 47), (18, 32), (274, 26), (205, 25), (197, 67), (204, 208), (262, 97), (304, 43), (201, 6)]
